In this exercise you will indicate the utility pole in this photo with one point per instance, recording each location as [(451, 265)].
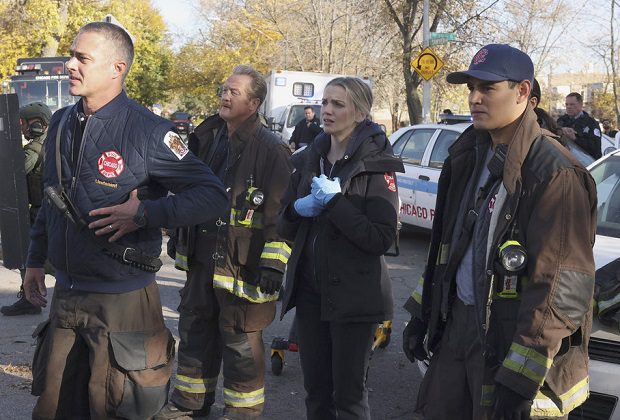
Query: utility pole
[(426, 84)]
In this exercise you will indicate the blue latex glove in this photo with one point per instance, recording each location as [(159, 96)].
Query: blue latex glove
[(324, 189), (308, 206)]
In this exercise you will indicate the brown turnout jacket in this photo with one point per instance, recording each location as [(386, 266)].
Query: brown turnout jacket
[(535, 344)]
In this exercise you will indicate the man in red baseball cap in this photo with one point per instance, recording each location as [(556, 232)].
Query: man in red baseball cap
[(505, 300)]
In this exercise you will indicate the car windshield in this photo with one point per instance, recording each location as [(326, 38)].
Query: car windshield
[(45, 91), (297, 114), (607, 177)]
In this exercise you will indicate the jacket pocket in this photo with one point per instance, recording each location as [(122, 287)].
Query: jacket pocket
[(39, 360), (139, 373), (248, 250)]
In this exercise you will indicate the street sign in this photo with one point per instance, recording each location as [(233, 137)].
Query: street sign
[(427, 64), (438, 38)]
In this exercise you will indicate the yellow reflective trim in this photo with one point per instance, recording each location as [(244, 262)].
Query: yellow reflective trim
[(255, 223), (242, 289), (488, 395), (282, 245), (508, 243), (417, 292), (180, 262), (442, 256), (545, 405), (274, 256), (244, 399), (520, 369), (196, 385), (531, 354)]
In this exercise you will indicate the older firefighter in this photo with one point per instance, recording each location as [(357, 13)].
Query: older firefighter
[(235, 263), (34, 119), (506, 298)]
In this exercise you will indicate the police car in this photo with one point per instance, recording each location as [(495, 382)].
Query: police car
[(423, 149)]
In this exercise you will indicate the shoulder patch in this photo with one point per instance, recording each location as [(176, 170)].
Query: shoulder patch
[(389, 180), (175, 143)]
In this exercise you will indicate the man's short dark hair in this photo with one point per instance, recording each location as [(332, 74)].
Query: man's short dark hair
[(577, 96), (120, 39), (258, 86), (309, 107)]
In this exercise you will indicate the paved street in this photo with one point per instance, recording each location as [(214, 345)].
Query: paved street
[(393, 381)]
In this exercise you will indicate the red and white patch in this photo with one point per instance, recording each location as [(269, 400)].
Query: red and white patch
[(389, 180), (175, 144), (492, 203), (480, 56), (110, 164)]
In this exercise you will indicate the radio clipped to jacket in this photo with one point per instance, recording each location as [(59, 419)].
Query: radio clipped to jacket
[(254, 197)]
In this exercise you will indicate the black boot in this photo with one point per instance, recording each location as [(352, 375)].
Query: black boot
[(21, 307)]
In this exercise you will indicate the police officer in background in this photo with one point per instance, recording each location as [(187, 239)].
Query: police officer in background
[(580, 127), (34, 119), (305, 130), (506, 298), (105, 351), (235, 262)]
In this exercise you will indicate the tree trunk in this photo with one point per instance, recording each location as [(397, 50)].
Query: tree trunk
[(50, 48)]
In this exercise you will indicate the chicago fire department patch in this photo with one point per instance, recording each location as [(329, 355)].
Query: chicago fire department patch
[(175, 143), (389, 180), (110, 164), (481, 56)]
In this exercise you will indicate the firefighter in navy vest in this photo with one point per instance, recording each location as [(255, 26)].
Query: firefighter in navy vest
[(105, 351), (34, 119)]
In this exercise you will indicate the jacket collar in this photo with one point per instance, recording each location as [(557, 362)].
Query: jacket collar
[(244, 133), (518, 148), (111, 108)]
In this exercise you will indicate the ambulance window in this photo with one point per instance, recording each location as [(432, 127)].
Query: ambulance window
[(440, 149), (303, 90), (415, 147)]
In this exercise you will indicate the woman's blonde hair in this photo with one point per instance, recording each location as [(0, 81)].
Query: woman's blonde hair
[(359, 92)]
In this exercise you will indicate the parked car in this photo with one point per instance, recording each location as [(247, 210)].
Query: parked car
[(604, 347), (183, 122), (423, 149)]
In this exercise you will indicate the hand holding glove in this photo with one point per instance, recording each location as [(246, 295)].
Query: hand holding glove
[(270, 280), (510, 405), (308, 206), (413, 340), (324, 189)]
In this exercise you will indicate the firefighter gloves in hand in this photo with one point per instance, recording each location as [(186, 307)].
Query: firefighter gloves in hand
[(413, 340), (308, 206), (510, 405), (270, 280), (324, 189)]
